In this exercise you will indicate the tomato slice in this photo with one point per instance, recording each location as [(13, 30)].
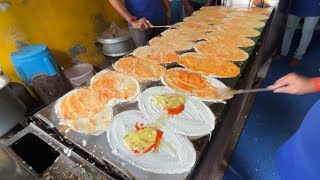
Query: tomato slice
[(175, 111)]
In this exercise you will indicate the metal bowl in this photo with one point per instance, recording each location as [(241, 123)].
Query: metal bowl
[(12, 110), (115, 47)]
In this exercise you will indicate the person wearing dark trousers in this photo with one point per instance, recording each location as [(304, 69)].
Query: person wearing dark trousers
[(309, 10), (142, 15)]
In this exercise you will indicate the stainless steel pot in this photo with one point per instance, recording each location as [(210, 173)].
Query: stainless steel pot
[(115, 47), (12, 110)]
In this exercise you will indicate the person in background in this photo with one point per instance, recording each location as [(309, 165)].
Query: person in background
[(310, 11), (141, 15), (261, 3), (178, 7), (194, 5), (299, 157)]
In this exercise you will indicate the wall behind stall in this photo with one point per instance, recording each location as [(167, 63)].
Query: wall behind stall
[(68, 27)]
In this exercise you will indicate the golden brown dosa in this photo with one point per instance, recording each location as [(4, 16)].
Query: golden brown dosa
[(84, 111), (141, 69), (203, 19), (209, 65), (154, 54), (221, 51), (167, 45), (188, 82), (115, 85), (187, 35), (229, 39)]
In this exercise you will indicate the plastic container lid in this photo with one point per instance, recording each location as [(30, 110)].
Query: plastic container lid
[(29, 52)]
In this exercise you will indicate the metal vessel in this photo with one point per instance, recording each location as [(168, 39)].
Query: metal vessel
[(12, 110), (118, 46)]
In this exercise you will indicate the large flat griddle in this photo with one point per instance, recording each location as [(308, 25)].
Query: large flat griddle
[(99, 147)]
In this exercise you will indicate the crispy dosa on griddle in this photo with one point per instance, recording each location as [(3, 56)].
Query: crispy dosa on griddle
[(209, 65), (191, 83), (115, 85), (142, 69), (221, 51), (154, 54), (84, 111)]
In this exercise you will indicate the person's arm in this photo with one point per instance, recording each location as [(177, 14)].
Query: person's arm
[(295, 84), (142, 23), (167, 9), (188, 7)]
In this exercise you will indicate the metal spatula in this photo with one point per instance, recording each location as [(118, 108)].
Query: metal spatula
[(228, 93), (166, 26)]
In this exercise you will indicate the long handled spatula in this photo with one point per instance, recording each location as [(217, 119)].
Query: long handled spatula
[(228, 93), (166, 26)]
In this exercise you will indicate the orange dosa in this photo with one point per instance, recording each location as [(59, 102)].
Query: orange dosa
[(221, 51), (142, 69), (188, 82), (209, 65)]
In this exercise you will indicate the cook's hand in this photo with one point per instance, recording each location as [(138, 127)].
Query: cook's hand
[(189, 10), (293, 84), (142, 24), (168, 17)]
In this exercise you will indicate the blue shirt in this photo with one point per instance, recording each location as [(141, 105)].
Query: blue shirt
[(305, 8), (150, 9), (202, 2), (299, 157)]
